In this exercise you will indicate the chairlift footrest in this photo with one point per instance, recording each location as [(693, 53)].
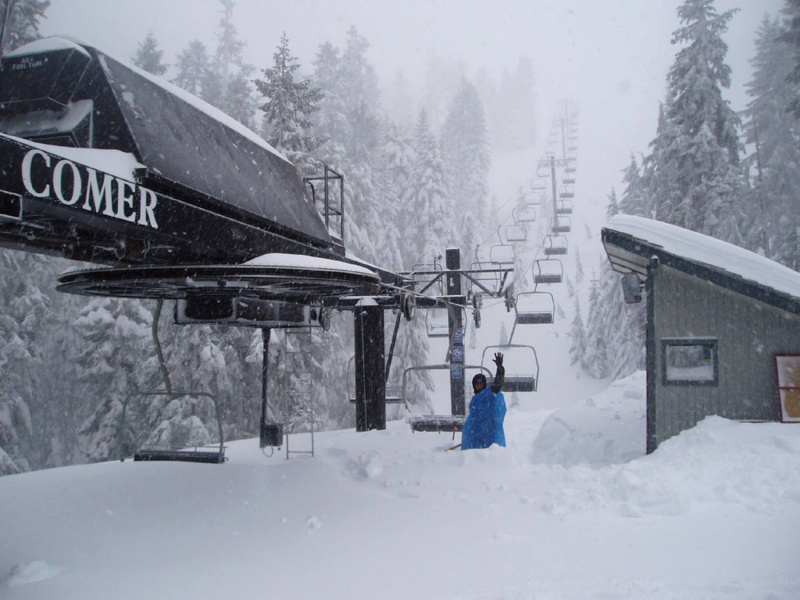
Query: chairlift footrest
[(198, 456), (436, 423)]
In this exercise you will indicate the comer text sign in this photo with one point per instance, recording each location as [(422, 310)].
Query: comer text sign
[(71, 184)]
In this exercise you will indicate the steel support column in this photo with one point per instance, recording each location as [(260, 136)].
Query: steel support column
[(370, 367), (270, 432), (455, 323)]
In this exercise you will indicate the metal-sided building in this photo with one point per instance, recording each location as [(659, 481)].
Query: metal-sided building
[(722, 331)]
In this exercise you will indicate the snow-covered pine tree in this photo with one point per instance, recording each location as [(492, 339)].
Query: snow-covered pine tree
[(149, 56), (116, 336), (774, 133), (36, 323), (578, 267), (595, 359), (634, 198), (791, 36), (612, 208), (704, 146), (659, 174), (289, 104), (435, 227), (577, 334), (330, 121), (193, 68), (24, 23), (621, 327), (229, 87), (440, 79), (466, 161)]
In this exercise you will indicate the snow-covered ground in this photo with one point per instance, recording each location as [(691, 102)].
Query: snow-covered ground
[(572, 509)]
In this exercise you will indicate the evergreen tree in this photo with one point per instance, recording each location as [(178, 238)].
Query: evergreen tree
[(466, 162), (241, 103), (596, 360), (193, 68), (660, 176), (434, 228), (791, 36), (228, 88), (290, 104), (441, 78), (117, 335), (149, 56), (577, 334), (357, 144), (612, 208), (775, 136), (633, 201), (578, 267), (23, 26), (703, 148), (331, 121)]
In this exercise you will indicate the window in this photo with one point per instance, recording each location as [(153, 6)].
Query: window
[(788, 366), (689, 361)]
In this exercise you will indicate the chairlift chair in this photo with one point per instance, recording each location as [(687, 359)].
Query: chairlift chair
[(564, 207), (538, 186), (562, 224), (547, 270), (555, 245), (502, 254), (188, 451), (394, 388), (535, 308), (437, 322), (524, 214), (483, 273), (426, 276), (566, 191), (516, 233), (433, 422), (569, 180), (570, 169), (521, 364)]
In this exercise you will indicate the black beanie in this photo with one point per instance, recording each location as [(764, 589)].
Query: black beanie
[(479, 377)]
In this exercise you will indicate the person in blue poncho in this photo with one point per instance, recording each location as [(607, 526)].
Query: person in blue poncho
[(487, 410)]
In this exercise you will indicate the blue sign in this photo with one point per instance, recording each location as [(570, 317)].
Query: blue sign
[(457, 374), (458, 354), (459, 336)]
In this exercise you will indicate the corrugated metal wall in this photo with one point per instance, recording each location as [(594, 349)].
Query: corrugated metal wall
[(749, 334)]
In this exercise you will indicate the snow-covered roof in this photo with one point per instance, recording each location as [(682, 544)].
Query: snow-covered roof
[(114, 162), (299, 261), (630, 242), (189, 149), (50, 44)]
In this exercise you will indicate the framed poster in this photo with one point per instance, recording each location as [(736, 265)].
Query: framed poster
[(788, 368)]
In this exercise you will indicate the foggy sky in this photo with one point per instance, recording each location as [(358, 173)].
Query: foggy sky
[(611, 56)]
